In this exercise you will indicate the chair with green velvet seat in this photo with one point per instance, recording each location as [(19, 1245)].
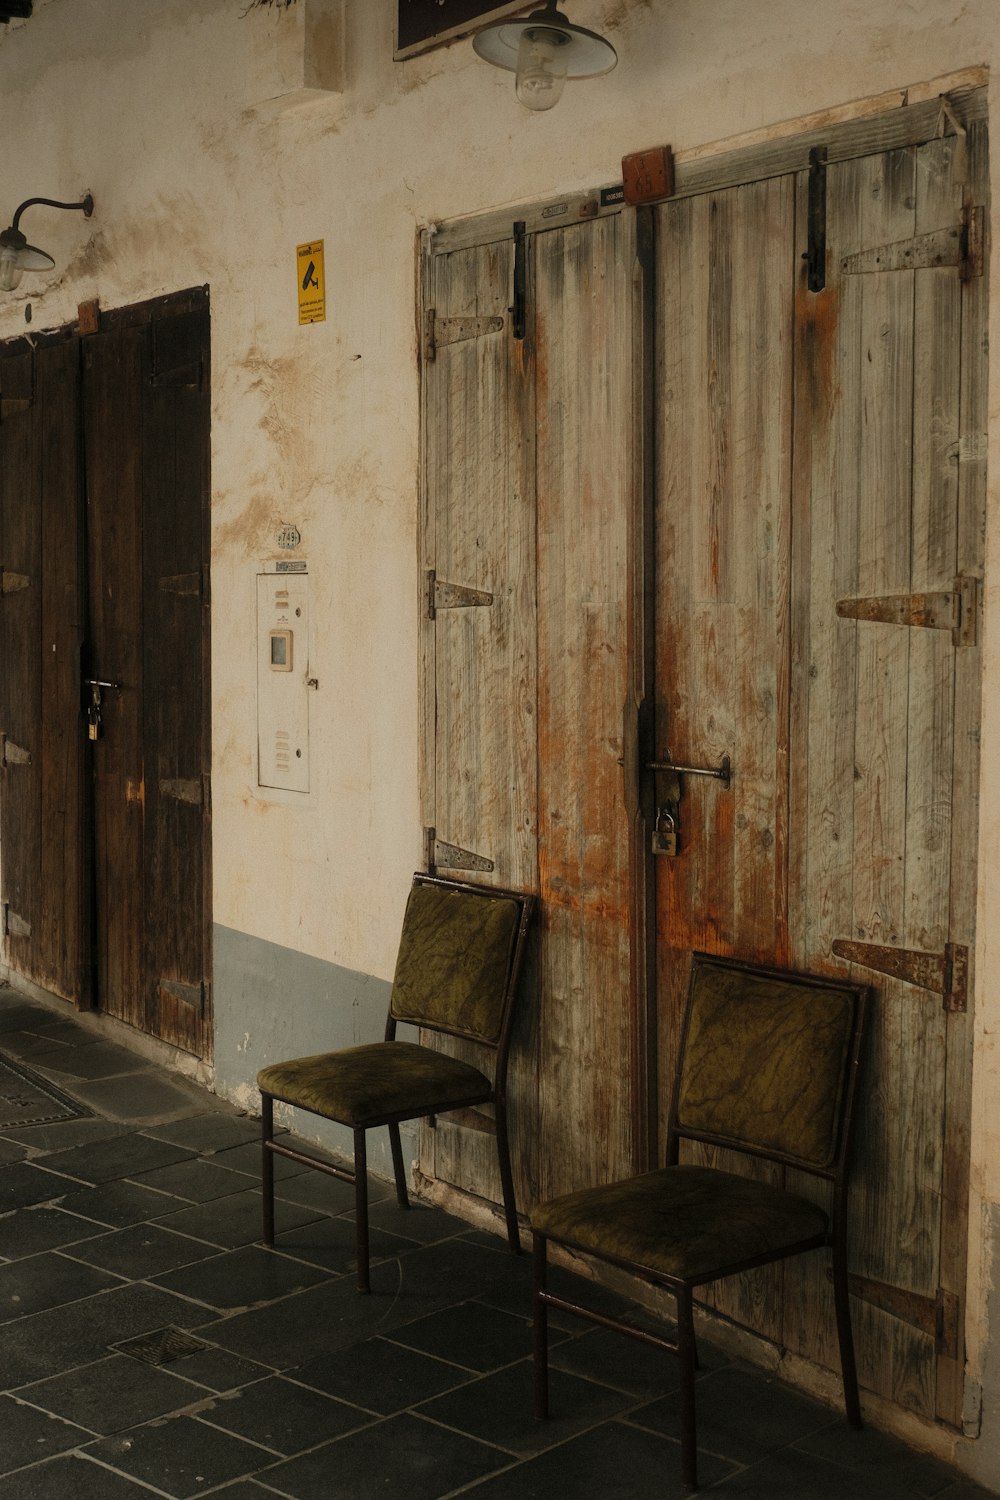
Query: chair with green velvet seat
[(768, 1068), (457, 969)]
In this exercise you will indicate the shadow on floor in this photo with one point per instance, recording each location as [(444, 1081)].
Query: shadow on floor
[(150, 1346)]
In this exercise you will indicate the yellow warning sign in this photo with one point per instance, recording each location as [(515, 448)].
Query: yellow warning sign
[(312, 282)]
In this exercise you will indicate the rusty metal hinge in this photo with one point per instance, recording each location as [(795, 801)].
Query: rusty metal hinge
[(441, 595), (441, 856), (939, 1317), (955, 611), (191, 995), (11, 754), (958, 245), (13, 925), (11, 405), (12, 583), (439, 332), (945, 974)]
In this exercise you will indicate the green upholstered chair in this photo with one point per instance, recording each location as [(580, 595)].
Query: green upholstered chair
[(768, 1067), (457, 969)]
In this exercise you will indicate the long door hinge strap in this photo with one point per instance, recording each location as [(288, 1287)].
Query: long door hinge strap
[(13, 755), (11, 405), (958, 245), (519, 311), (441, 595), (442, 856), (945, 974), (13, 925), (955, 611), (440, 332), (938, 1316), (192, 995)]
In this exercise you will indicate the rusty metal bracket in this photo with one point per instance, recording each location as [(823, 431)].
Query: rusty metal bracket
[(945, 974), (13, 925), (439, 332), (441, 595), (12, 583), (955, 611), (11, 754), (939, 1317), (439, 855)]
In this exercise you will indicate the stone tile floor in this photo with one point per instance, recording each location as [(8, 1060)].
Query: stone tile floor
[(146, 1216)]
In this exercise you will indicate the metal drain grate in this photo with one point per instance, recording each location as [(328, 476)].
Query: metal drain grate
[(161, 1347)]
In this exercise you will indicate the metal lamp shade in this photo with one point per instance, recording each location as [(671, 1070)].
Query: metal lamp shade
[(587, 54)]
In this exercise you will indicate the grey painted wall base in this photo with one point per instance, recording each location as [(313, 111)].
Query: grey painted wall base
[(273, 1003)]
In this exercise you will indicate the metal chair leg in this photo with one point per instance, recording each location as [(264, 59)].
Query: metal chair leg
[(688, 1357), (399, 1171), (507, 1177), (267, 1165), (361, 1209), (540, 1325), (845, 1336)]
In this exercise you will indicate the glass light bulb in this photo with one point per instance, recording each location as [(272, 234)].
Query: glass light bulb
[(542, 61), (11, 269)]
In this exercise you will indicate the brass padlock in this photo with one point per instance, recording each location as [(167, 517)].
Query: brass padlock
[(665, 830)]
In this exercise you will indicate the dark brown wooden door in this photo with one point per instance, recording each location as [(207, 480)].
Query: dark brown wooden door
[(104, 448), (146, 421), (42, 764)]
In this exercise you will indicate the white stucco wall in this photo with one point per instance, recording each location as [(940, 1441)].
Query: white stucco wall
[(181, 117)]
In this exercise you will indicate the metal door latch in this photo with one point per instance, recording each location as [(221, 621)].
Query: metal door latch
[(94, 706)]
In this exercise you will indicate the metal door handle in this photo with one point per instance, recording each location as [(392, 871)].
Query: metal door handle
[(723, 772), (99, 682)]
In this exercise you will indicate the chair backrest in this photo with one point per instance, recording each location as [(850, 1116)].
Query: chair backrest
[(768, 1063), (459, 958)]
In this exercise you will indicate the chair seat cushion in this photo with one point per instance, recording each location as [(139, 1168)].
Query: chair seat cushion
[(362, 1086), (686, 1223)]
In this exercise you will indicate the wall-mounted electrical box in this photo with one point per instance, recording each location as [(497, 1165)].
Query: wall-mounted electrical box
[(283, 677)]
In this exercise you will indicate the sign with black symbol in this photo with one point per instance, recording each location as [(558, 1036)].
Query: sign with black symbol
[(312, 282)]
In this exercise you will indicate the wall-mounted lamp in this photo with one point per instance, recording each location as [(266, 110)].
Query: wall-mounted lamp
[(17, 256), (544, 49)]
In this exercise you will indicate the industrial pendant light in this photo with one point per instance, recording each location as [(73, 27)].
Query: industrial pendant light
[(17, 256), (544, 49)]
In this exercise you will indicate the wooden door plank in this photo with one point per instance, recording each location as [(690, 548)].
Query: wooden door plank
[(175, 431), (481, 766), (725, 382), (970, 529), (113, 375), (584, 352)]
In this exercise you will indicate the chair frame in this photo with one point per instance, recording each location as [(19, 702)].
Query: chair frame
[(682, 1289), (497, 1096)]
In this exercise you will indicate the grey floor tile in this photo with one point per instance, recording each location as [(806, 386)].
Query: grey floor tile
[(198, 1180), (111, 1394), (217, 1370), (242, 1278), (11, 1151), (28, 1042), (72, 1477), (153, 1095), (209, 1133), (880, 1458), (380, 1375), (611, 1460), (47, 1280), (614, 1358), (27, 1434), (116, 1204), (111, 1160), (31, 1230), (180, 1455), (331, 1244), (499, 1409), (142, 1251), (285, 1417), (246, 1158), (399, 1456), (741, 1416), (22, 1183), (230, 1221), (793, 1475), (470, 1334), (62, 1135), (100, 1060), (418, 1222)]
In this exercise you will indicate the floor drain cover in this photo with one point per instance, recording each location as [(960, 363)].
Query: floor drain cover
[(161, 1347)]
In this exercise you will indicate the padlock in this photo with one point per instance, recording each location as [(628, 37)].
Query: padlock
[(665, 831), (94, 717)]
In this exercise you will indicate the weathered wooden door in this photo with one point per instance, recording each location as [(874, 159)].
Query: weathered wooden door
[(528, 478), (146, 424), (819, 517), (46, 918), (103, 510)]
